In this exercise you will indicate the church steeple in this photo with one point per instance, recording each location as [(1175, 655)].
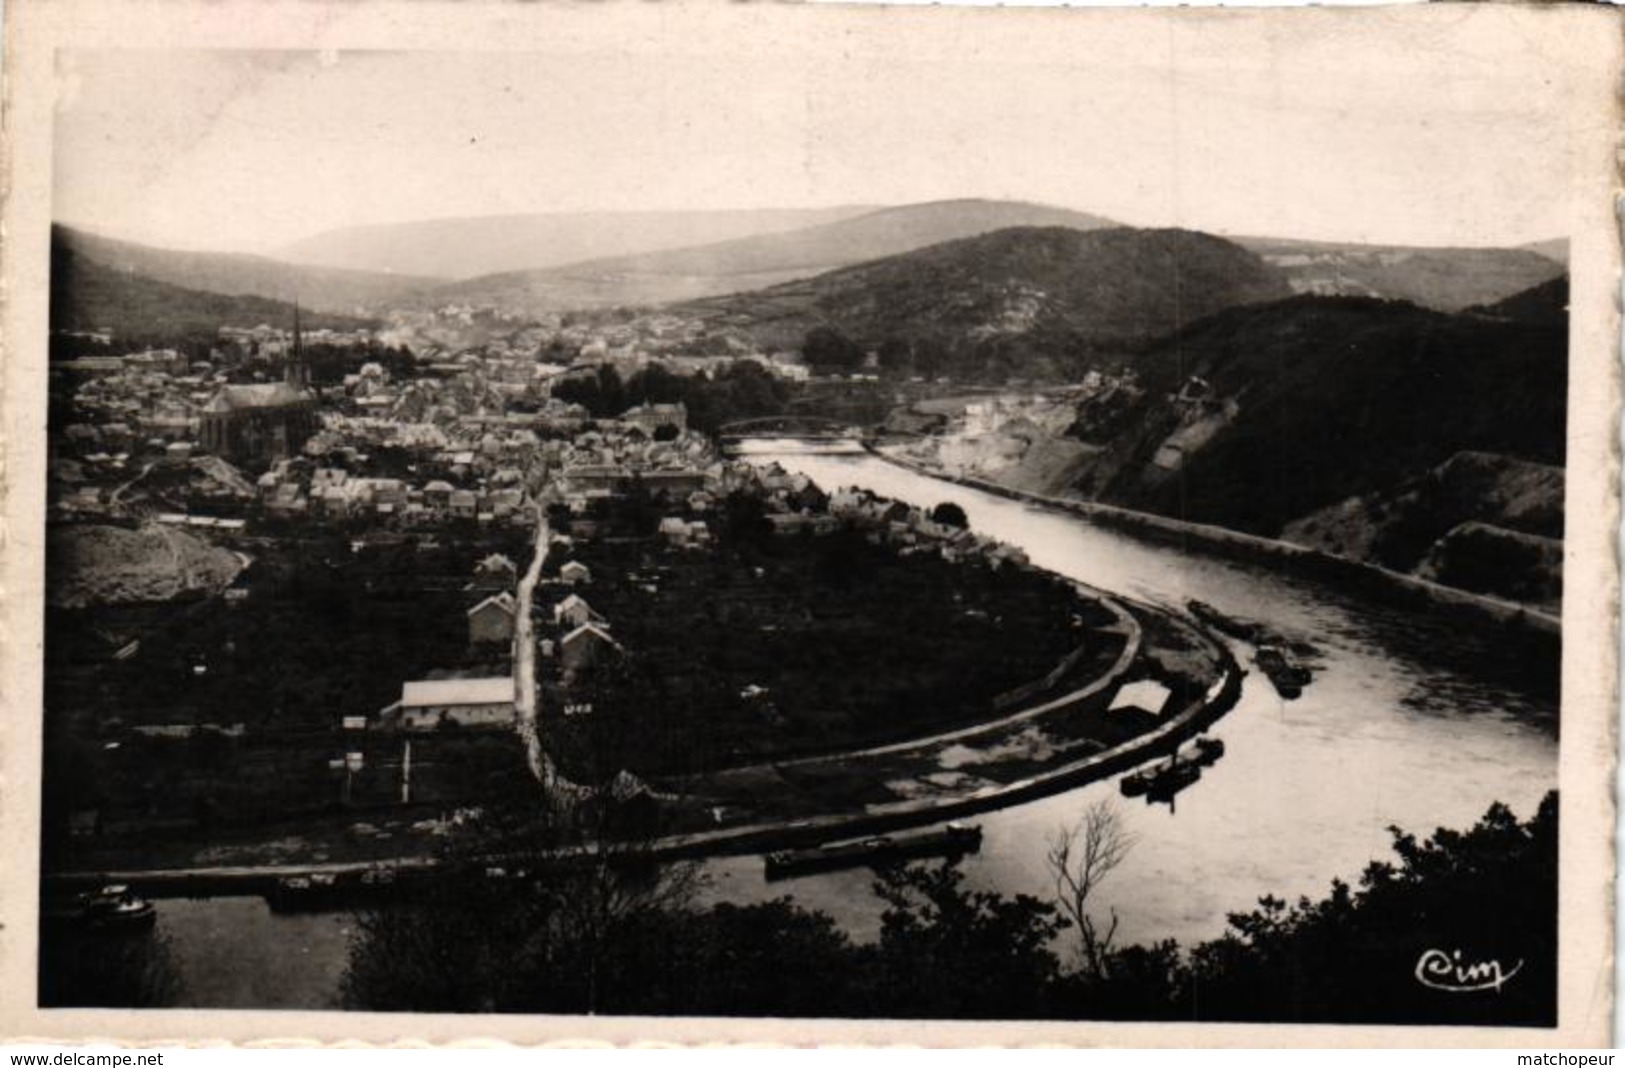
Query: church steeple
[(295, 371)]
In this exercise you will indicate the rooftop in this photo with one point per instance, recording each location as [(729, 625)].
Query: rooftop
[(427, 693), (267, 395)]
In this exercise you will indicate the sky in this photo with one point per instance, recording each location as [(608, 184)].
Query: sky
[(1232, 130)]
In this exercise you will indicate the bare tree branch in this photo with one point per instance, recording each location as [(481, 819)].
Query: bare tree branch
[(1080, 858)]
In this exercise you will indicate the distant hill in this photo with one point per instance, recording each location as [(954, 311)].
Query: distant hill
[(1547, 303), (238, 274), (87, 295), (1301, 408), (1022, 302), (469, 247), (759, 260), (1446, 279), (1555, 249)]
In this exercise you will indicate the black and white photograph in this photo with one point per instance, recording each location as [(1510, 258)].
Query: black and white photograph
[(843, 514)]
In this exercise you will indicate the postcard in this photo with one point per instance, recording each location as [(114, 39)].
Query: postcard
[(810, 523)]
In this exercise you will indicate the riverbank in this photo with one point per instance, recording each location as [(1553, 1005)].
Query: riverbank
[(1177, 725), (1368, 579)]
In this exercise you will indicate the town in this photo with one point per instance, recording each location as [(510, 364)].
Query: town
[(356, 662)]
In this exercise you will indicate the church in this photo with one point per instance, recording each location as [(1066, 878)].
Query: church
[(263, 422)]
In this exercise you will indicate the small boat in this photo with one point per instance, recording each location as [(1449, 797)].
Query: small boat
[(952, 840), (1162, 780), (1136, 783), (111, 908), (297, 893), (1216, 619), (1287, 675), (1208, 751)]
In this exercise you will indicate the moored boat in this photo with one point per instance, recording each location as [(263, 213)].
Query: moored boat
[(1208, 750), (953, 839), (1136, 783), (1216, 619), (1171, 779), (297, 893), (1287, 675), (111, 908)]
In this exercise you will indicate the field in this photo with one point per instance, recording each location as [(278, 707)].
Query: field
[(226, 713), (767, 648)]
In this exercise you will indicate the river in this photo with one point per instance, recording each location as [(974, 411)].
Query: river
[(1410, 721)]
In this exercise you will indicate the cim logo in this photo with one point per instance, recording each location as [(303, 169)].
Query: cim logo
[(1439, 970)]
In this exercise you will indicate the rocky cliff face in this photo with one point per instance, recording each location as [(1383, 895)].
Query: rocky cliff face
[(1368, 429), (1481, 521)]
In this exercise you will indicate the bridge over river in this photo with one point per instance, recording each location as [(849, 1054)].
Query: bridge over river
[(739, 436), (790, 428)]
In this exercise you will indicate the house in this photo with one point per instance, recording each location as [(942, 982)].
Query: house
[(787, 523), (1007, 554), (288, 500), (464, 504), (574, 611), (596, 480), (492, 619), (1143, 695), (674, 483), (585, 646), (774, 477), (674, 529), (430, 703), (437, 494), (627, 803), (387, 493), (684, 533), (886, 511), (575, 573), (495, 572), (506, 502), (846, 503)]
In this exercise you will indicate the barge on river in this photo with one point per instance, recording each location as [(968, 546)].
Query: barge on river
[(1161, 781), (951, 840), (1287, 675)]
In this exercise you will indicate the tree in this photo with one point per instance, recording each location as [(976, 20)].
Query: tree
[(950, 514), (826, 348), (655, 384), (954, 953), (896, 356), (485, 939), (1489, 892), (602, 394), (1080, 858)]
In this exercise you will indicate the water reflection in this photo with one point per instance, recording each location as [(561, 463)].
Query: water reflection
[(234, 952)]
